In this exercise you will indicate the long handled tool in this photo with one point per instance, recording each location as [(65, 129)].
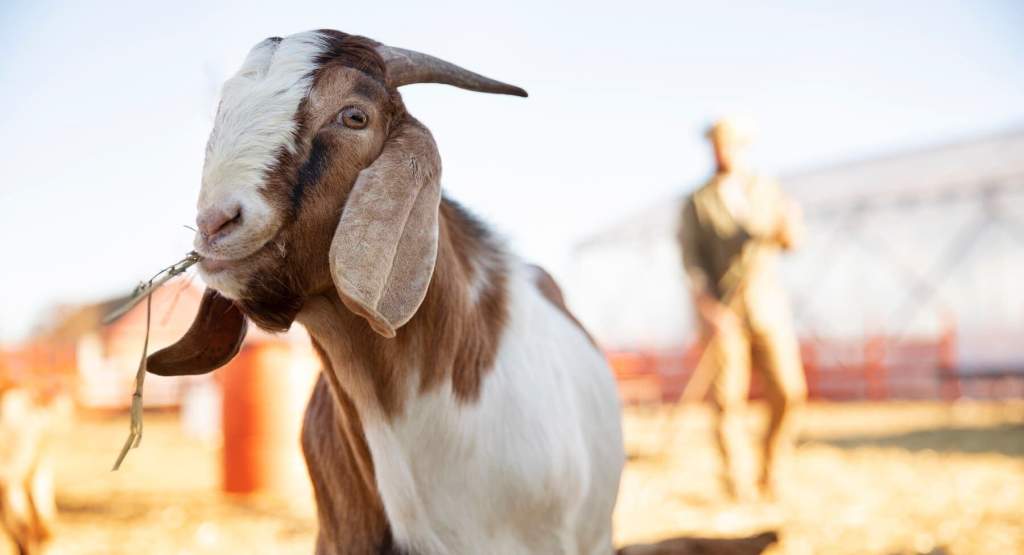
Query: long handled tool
[(704, 374), (702, 377)]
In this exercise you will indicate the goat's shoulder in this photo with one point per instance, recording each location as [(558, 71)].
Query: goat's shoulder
[(465, 312), (549, 288)]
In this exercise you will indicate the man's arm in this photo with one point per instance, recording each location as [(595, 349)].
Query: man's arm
[(790, 230)]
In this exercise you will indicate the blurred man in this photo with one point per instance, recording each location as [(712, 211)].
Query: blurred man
[(732, 231)]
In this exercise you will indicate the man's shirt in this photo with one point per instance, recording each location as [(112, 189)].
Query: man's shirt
[(730, 232)]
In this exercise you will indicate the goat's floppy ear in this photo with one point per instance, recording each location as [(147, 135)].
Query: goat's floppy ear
[(384, 249), (213, 340)]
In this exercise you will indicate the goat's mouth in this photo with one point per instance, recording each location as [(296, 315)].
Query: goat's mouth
[(238, 240), (232, 276), (220, 257), (228, 276)]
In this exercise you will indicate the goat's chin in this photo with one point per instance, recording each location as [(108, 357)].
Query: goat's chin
[(228, 269), (226, 282), (261, 284)]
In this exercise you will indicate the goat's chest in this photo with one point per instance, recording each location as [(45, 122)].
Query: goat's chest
[(464, 479), (512, 471)]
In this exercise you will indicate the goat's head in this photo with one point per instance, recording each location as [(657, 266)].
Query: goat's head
[(316, 177)]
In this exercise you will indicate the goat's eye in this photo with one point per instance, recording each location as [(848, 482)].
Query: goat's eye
[(353, 118)]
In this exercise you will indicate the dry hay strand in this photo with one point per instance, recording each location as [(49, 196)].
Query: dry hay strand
[(144, 291)]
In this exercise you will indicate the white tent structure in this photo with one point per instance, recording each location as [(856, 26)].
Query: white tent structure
[(900, 246)]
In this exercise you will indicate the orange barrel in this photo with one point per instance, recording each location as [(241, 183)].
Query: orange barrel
[(260, 440)]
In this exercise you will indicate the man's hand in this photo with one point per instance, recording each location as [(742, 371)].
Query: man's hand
[(715, 315), (791, 225)]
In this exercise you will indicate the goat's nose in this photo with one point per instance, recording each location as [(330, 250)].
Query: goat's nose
[(218, 219)]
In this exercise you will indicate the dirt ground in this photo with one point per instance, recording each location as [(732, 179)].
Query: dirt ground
[(866, 478)]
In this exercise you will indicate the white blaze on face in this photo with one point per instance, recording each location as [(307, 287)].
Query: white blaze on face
[(255, 121)]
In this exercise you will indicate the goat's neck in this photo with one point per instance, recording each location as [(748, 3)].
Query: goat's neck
[(452, 338), (451, 341)]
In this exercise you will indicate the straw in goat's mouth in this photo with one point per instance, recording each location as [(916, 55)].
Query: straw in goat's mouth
[(144, 291)]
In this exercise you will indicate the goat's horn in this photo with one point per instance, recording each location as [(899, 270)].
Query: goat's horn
[(406, 67)]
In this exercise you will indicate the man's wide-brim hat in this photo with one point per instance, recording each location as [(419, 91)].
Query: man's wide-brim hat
[(732, 130)]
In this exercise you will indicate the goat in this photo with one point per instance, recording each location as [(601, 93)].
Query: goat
[(460, 409), (28, 422)]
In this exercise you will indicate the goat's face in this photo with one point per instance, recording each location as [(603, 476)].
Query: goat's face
[(315, 177), (298, 122)]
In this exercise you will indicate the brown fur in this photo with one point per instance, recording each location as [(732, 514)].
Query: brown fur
[(350, 511), (449, 338), (212, 341)]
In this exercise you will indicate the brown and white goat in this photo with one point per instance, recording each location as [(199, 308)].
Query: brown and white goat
[(29, 422), (460, 410)]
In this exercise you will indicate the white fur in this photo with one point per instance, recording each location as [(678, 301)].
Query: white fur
[(482, 267), (532, 467), (226, 283), (255, 121)]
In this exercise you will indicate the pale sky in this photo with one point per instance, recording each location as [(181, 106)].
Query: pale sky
[(105, 109)]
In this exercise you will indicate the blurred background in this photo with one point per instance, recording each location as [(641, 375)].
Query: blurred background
[(899, 128)]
